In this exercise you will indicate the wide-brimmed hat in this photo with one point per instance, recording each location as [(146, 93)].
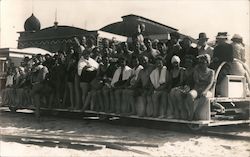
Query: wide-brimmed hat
[(222, 35), (236, 37), (202, 36)]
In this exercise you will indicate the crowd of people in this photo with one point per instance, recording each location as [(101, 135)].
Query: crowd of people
[(144, 77)]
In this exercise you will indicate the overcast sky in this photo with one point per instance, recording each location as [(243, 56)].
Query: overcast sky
[(189, 16)]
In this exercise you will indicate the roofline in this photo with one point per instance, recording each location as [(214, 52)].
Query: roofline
[(149, 20)]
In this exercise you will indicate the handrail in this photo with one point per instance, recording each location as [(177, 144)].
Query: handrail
[(219, 69), (216, 76)]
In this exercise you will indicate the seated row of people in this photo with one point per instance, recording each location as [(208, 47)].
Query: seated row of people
[(150, 90)]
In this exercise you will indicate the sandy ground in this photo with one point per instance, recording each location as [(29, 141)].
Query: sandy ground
[(171, 143)]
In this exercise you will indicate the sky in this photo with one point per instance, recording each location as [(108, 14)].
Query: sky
[(189, 16)]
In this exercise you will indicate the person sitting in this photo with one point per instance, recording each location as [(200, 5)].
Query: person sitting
[(128, 93), (159, 78), (178, 94), (143, 89), (119, 82), (203, 81), (87, 68), (176, 76)]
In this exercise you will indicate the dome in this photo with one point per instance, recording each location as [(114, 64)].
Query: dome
[(32, 24)]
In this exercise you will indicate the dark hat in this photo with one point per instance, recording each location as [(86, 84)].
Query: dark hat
[(202, 36), (222, 35)]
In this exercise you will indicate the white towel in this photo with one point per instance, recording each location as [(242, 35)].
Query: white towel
[(156, 79), (135, 73), (127, 71), (90, 62), (9, 80)]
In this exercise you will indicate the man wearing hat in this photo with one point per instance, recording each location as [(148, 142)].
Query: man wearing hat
[(223, 51), (238, 47), (203, 47)]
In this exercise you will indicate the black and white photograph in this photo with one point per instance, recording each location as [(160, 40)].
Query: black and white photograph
[(90, 78)]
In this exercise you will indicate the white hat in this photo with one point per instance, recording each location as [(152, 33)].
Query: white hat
[(175, 59)]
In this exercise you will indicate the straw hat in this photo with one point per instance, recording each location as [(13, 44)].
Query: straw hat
[(222, 35)]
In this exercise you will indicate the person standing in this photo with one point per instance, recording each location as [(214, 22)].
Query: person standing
[(222, 51), (238, 48), (203, 47)]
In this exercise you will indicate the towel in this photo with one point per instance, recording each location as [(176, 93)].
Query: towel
[(135, 73), (9, 80), (83, 62), (127, 71), (156, 79)]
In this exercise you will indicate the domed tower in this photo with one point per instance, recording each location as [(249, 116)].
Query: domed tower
[(32, 24)]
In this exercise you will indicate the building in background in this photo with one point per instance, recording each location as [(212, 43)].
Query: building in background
[(53, 38)]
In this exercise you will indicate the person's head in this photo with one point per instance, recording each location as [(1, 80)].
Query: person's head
[(105, 43), (186, 42), (135, 62), (202, 40), (124, 46), (237, 38), (86, 54), (47, 57), (148, 43), (174, 37), (221, 38), (21, 70), (159, 62), (105, 60), (137, 45), (39, 58), (204, 61), (161, 47), (144, 61), (175, 61), (83, 40), (155, 44), (122, 62), (90, 42)]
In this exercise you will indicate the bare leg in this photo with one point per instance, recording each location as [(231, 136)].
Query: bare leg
[(163, 104), (87, 102), (118, 93), (149, 105), (71, 95), (77, 91), (190, 103), (84, 89), (106, 98), (112, 101), (156, 103)]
